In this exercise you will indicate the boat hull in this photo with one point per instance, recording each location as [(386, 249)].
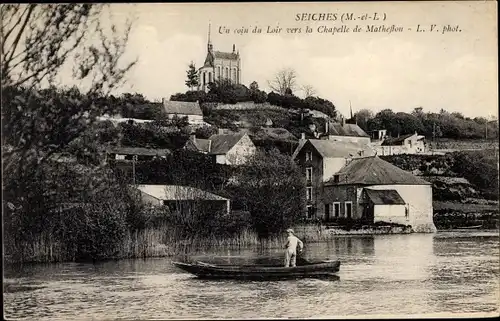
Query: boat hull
[(260, 273)]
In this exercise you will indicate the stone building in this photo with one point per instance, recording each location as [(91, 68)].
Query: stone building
[(406, 144), (219, 65), (228, 149), (371, 190), (185, 199), (344, 132), (320, 160), (191, 110)]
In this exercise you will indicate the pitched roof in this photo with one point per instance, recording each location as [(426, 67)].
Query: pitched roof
[(203, 144), (396, 140), (221, 144), (182, 107), (211, 56), (375, 171), (277, 133), (138, 151), (209, 60), (384, 197), (334, 149), (338, 129), (226, 55), (178, 193), (302, 142)]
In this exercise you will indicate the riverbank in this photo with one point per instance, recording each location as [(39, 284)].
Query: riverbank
[(161, 241), (451, 215)]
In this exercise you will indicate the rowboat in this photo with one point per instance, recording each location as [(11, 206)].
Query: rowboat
[(469, 227), (322, 269)]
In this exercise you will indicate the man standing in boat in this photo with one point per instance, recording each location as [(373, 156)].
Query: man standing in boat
[(291, 248)]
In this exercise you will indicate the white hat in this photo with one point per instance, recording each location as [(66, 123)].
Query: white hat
[(290, 231)]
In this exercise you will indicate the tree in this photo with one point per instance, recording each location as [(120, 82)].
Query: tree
[(37, 40), (192, 77), (308, 91), (254, 86), (362, 117), (284, 79), (38, 118), (271, 175)]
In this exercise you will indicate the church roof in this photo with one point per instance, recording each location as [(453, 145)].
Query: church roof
[(226, 55), (211, 56), (209, 60), (375, 171)]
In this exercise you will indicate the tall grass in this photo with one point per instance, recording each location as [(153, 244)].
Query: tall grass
[(149, 242)]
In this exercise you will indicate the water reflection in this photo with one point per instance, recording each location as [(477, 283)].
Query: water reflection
[(392, 274)]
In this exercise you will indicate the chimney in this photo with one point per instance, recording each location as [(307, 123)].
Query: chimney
[(327, 127), (192, 138), (302, 136), (343, 121), (163, 100), (221, 131)]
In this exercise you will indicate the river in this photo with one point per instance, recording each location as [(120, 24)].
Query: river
[(438, 274)]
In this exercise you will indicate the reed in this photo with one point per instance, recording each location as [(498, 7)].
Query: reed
[(159, 241)]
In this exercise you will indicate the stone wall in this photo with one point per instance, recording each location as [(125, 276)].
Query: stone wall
[(248, 105)]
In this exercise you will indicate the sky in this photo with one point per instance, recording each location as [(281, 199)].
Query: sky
[(456, 71)]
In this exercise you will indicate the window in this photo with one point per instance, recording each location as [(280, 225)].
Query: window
[(336, 209), (309, 156), (336, 178), (209, 77), (327, 212), (407, 212), (348, 209), (309, 193), (310, 212), (218, 72), (409, 142), (204, 78), (309, 173)]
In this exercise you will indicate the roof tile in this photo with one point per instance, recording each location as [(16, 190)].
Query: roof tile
[(384, 197), (182, 108), (375, 171)]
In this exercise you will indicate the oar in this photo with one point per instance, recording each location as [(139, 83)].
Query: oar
[(301, 260)]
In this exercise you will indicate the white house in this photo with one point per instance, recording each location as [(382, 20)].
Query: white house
[(372, 190), (229, 149), (184, 198), (181, 109), (343, 132), (406, 144)]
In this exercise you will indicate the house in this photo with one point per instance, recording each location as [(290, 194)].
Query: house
[(182, 198), (181, 109), (269, 133), (343, 132), (378, 135), (140, 153), (370, 190), (406, 144), (319, 160), (228, 149)]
